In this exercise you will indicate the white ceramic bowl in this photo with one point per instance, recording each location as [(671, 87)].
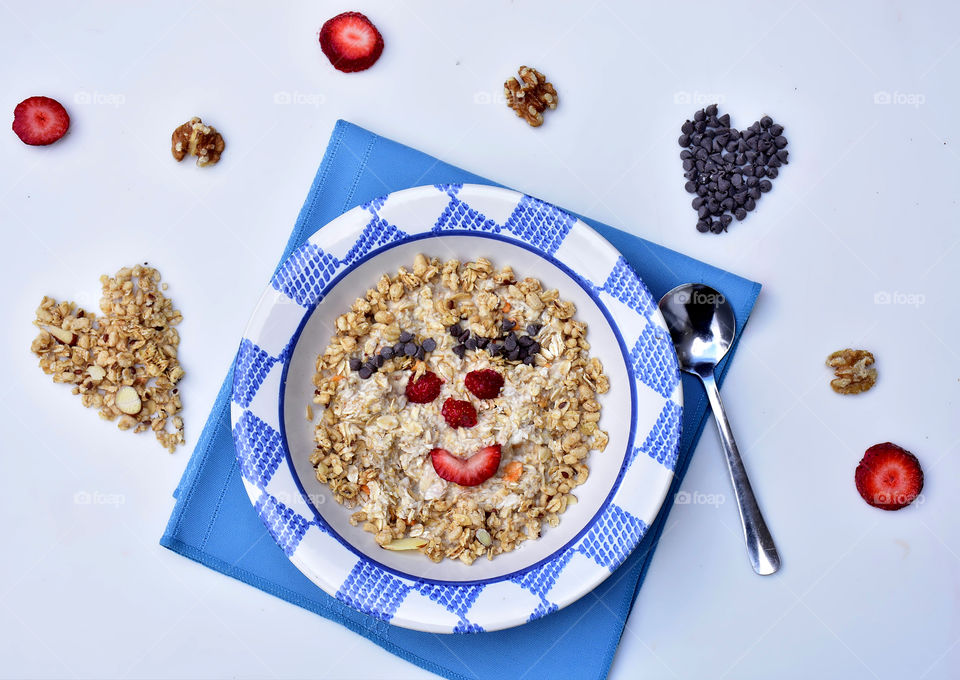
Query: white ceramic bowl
[(294, 322)]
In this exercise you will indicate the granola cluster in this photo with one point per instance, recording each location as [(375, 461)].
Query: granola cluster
[(372, 443), (123, 362)]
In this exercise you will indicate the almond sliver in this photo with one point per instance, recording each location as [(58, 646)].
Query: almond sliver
[(408, 543)]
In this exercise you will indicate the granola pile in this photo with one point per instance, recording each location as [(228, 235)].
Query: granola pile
[(374, 443), (123, 362)]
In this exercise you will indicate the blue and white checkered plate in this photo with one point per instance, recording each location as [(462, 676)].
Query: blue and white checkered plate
[(293, 323)]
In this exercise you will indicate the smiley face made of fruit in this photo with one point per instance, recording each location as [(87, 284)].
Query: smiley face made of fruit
[(482, 465), (424, 386)]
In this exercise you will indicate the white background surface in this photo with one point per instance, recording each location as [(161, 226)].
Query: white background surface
[(867, 207)]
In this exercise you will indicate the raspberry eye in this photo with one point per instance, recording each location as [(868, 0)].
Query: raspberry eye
[(423, 390)]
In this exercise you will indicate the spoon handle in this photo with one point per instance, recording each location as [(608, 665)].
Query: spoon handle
[(760, 547)]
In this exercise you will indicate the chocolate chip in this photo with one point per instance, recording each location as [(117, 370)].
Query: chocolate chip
[(703, 226), (494, 348), (740, 214), (765, 186), (529, 359), (405, 337), (471, 343), (687, 127), (510, 343), (508, 325), (534, 328), (398, 349), (355, 364), (772, 173), (380, 360), (429, 344), (685, 154), (754, 193), (421, 353), (534, 348), (688, 164), (455, 330), (410, 349), (776, 130), (684, 140), (749, 204), (459, 350), (690, 187), (365, 372), (780, 142), (387, 353), (482, 341), (782, 155), (699, 115), (711, 110), (725, 221), (766, 122), (525, 341), (514, 355)]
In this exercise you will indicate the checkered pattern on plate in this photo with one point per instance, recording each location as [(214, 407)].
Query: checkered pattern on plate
[(304, 278)]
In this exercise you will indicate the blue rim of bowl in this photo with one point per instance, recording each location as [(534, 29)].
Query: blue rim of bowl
[(630, 437)]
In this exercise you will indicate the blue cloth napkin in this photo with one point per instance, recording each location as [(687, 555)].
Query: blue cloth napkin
[(214, 523)]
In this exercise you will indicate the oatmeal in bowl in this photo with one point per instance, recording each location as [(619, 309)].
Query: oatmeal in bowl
[(457, 408), (485, 441)]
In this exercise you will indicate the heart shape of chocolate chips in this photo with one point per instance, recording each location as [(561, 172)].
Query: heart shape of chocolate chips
[(729, 170)]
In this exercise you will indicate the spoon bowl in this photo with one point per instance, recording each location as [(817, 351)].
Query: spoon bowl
[(702, 325)]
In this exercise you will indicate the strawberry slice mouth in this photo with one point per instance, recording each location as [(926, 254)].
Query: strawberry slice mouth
[(471, 471)]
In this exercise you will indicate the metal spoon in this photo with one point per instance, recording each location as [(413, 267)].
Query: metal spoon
[(702, 325)]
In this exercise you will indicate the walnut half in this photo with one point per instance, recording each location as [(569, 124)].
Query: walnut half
[(530, 96), (852, 370), (197, 139)]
